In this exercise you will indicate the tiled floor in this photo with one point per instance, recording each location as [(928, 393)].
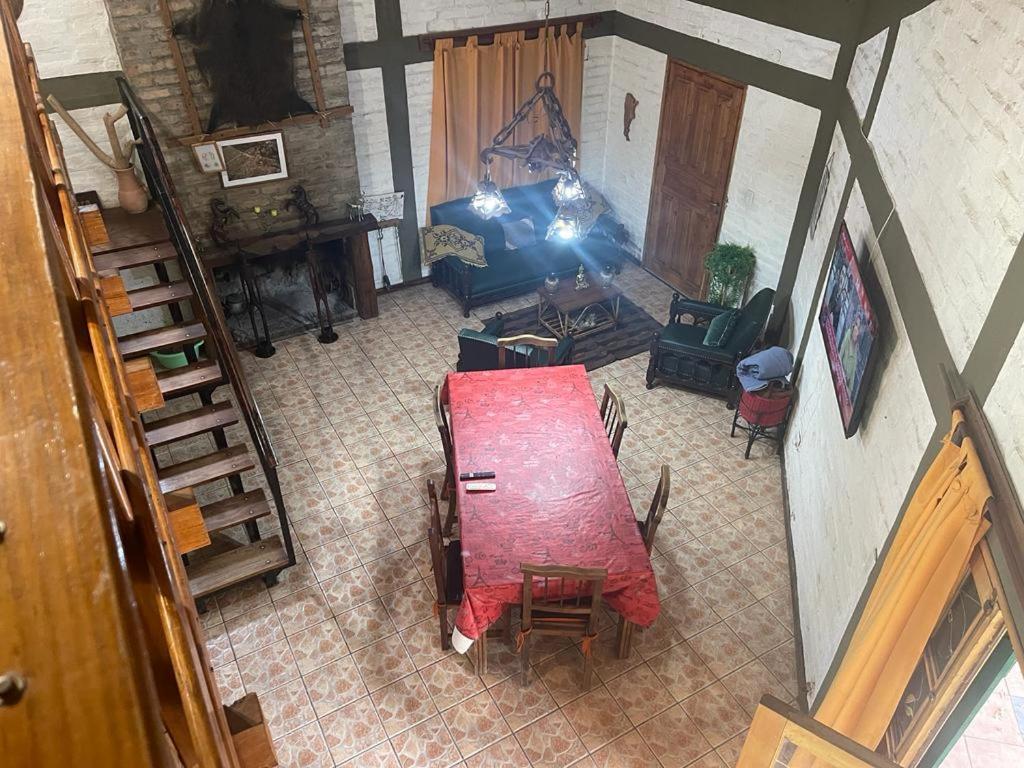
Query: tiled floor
[(344, 652), (995, 737)]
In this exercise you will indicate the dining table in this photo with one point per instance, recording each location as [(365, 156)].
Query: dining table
[(559, 497)]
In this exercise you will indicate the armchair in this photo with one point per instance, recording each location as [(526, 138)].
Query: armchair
[(678, 352), (478, 350)]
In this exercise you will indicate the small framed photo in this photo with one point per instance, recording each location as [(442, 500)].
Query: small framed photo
[(253, 159), (207, 157)]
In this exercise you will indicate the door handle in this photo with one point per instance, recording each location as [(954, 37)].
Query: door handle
[(715, 205)]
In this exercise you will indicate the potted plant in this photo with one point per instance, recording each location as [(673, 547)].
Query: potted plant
[(729, 269)]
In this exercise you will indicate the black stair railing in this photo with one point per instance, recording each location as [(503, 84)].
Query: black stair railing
[(161, 188)]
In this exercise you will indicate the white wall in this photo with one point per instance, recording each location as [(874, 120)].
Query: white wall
[(421, 16), (373, 155), (845, 494), (864, 71), (1005, 409), (597, 75), (358, 20), (756, 38), (949, 134), (772, 151)]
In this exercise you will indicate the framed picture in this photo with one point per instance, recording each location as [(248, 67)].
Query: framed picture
[(207, 157), (849, 327), (253, 159)]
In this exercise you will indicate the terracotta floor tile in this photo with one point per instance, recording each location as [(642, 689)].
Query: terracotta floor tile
[(334, 685), (423, 641), (695, 561), (724, 593), (752, 681), (628, 751), (718, 715), (759, 575), (218, 645), (551, 742), (303, 609), (366, 624), (348, 590), (522, 704), (254, 629), (670, 579), (381, 756), (562, 675), (641, 694), (403, 704), (475, 723), (721, 649), (383, 662), (318, 646), (597, 718), (502, 754), (781, 606), (451, 680), (287, 708), (758, 629), (332, 558), (304, 748), (426, 745), (682, 671), (727, 753), (674, 738), (360, 513), (659, 637), (229, 683), (728, 545), (409, 605), (375, 541), (392, 572), (267, 668), (782, 663), (689, 612), (607, 663)]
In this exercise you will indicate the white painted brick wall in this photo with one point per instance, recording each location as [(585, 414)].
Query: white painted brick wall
[(756, 38), (772, 151), (373, 155), (864, 71), (597, 73), (948, 134), (816, 246), (1005, 409), (69, 37), (358, 20), (629, 165), (419, 86), (420, 16), (845, 494)]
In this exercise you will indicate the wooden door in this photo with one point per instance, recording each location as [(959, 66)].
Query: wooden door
[(700, 119), (782, 737)]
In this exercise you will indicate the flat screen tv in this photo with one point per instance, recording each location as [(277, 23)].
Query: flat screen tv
[(850, 330)]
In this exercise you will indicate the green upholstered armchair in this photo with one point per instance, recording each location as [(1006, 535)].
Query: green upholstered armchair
[(678, 352), (478, 350)]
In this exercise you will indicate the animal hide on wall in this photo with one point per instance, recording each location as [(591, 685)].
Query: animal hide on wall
[(244, 50)]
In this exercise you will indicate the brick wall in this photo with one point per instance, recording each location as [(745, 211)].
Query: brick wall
[(864, 71), (69, 37), (948, 135), (420, 16), (321, 159), (358, 20), (772, 151)]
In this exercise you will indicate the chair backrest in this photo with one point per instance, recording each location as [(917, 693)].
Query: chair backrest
[(567, 599), (657, 510), (613, 414), (518, 351), (441, 421), (752, 321), (436, 543)]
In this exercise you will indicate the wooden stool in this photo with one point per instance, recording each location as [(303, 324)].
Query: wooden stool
[(766, 413)]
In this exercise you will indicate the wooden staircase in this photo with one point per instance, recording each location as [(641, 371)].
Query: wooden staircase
[(181, 414)]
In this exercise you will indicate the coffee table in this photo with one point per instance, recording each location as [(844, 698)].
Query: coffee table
[(567, 311)]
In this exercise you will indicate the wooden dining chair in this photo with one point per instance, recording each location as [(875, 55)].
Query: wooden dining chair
[(649, 525), (613, 414), (448, 487), (446, 563), (560, 601), (526, 351)]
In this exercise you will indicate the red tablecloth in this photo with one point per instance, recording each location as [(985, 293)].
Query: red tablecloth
[(560, 497)]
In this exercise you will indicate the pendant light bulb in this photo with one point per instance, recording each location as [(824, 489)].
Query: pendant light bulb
[(488, 201), (569, 189), (565, 227)]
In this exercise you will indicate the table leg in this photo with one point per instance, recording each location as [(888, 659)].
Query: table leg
[(625, 638), (254, 301), (481, 654), (320, 297)]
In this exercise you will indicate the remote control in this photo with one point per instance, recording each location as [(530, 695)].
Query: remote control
[(487, 475), (481, 487)]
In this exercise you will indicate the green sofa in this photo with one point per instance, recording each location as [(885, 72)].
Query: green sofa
[(478, 350), (518, 271), (678, 352)]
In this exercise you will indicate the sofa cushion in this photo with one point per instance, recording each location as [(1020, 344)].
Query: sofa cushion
[(720, 328), (689, 340), (518, 234)]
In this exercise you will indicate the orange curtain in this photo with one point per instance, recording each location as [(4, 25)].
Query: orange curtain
[(477, 90), (928, 558)]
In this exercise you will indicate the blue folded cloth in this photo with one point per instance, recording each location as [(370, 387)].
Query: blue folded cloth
[(761, 369)]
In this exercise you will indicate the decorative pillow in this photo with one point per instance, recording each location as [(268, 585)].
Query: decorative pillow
[(444, 240), (720, 328), (518, 234), (590, 210)]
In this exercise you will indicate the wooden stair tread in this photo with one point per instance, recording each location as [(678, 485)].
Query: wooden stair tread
[(183, 381), (237, 565), (235, 510), (158, 295), (232, 460), (136, 344), (182, 425), (134, 257)]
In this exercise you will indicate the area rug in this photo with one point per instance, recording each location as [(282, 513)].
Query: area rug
[(631, 337)]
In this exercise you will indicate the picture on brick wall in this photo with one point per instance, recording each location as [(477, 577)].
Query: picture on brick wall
[(253, 159), (849, 328)]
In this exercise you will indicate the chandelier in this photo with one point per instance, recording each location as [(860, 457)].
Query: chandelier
[(553, 150)]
